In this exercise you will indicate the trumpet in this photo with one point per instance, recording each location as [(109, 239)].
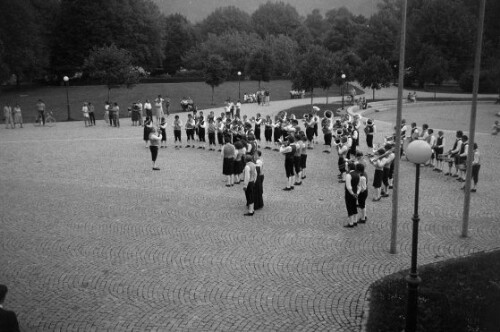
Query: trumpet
[(375, 158)]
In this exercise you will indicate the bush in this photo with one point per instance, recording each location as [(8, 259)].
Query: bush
[(486, 82), (456, 295)]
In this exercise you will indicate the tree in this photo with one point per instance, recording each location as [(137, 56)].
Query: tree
[(343, 29), (283, 51), (134, 25), (308, 71), (234, 47), (215, 71), (330, 69), (112, 66), (21, 35), (317, 26), (260, 65), (433, 67), (375, 73), (275, 18), (226, 19), (178, 39)]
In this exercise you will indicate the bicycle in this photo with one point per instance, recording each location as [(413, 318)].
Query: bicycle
[(49, 120)]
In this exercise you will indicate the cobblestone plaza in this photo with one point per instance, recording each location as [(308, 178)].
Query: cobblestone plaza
[(93, 240)]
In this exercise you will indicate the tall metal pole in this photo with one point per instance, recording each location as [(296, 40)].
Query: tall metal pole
[(395, 192), (472, 126), (413, 279)]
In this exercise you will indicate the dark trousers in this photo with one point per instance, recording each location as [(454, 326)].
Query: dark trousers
[(154, 152), (92, 118), (41, 114)]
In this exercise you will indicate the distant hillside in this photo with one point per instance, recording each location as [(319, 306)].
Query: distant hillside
[(197, 10)]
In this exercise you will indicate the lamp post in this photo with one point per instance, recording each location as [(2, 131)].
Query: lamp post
[(342, 89), (418, 152), (66, 83), (239, 85)]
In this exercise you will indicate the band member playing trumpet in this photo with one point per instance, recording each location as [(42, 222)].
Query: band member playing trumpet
[(257, 123), (370, 132), (268, 131), (362, 192), (438, 151), (277, 134), (309, 124), (327, 125), (297, 159), (288, 148), (388, 164), (316, 121), (378, 163), (342, 150)]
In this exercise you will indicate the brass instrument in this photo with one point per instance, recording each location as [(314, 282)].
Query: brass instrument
[(328, 114)]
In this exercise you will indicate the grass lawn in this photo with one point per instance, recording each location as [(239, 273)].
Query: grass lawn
[(457, 295), (300, 111), (201, 93)]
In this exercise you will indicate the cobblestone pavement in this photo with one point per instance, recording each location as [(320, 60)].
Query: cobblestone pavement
[(93, 240)]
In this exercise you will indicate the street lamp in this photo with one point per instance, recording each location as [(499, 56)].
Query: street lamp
[(342, 89), (66, 83), (418, 152), (239, 85)]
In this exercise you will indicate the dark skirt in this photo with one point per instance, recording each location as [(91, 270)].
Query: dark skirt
[(258, 191), (268, 133), (147, 130), (237, 169), (135, 115), (257, 133), (163, 135), (310, 133), (277, 134), (227, 166)]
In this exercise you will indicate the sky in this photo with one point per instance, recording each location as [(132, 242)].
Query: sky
[(197, 10)]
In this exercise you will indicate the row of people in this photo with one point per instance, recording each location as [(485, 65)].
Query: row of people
[(12, 116)]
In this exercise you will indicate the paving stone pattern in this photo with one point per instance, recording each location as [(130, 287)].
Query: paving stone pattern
[(93, 240)]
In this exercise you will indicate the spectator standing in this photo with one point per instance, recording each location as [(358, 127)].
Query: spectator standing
[(116, 115), (40, 107), (85, 113), (154, 143), (177, 132), (107, 116), (18, 117), (148, 109), (91, 114), (7, 114), (158, 113), (140, 109), (8, 319)]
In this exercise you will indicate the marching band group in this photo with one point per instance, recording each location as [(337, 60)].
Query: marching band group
[(239, 140)]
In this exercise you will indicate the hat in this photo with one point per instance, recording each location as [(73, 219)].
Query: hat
[(369, 122)]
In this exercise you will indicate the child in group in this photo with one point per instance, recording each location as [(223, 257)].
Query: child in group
[(228, 154), (148, 127), (219, 127), (362, 192), (268, 131), (303, 156), (190, 124), (154, 139), (379, 173), (438, 151), (177, 131), (86, 117), (163, 130), (211, 134), (476, 165)]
